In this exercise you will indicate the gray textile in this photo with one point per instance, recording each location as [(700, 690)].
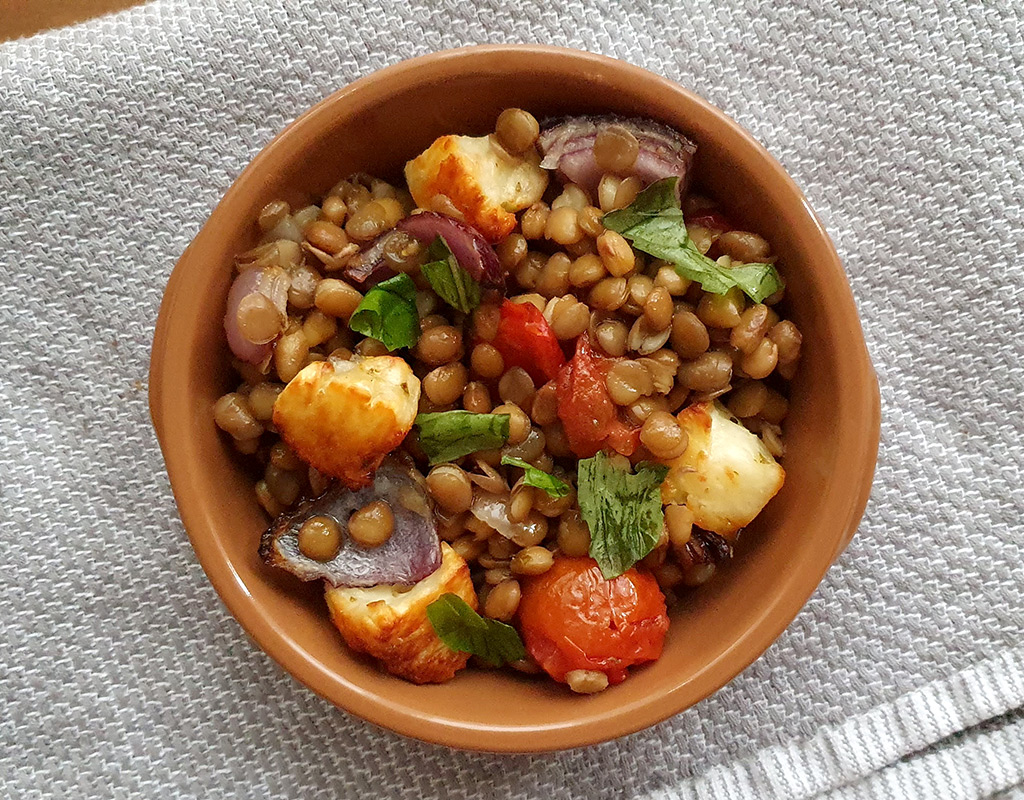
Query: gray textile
[(121, 673)]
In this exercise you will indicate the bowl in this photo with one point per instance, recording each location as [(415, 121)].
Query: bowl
[(375, 125)]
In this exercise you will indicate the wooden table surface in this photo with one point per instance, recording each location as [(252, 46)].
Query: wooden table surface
[(25, 17)]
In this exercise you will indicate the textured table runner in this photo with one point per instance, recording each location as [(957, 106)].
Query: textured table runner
[(121, 674)]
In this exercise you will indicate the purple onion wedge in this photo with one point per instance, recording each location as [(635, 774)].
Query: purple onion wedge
[(468, 245), (412, 553), (567, 145), (271, 282), (369, 267)]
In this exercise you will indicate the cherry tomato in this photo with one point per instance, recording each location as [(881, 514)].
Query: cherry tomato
[(572, 618), (589, 416), (526, 340)]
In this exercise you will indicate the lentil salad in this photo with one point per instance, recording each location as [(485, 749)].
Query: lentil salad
[(541, 381)]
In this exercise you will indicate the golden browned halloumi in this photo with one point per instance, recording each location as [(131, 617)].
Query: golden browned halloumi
[(343, 417), (726, 475), (480, 179), (390, 622)]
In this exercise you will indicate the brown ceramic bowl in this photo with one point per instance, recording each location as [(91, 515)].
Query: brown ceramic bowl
[(375, 125)]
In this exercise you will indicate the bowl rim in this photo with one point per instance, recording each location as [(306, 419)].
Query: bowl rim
[(276, 641)]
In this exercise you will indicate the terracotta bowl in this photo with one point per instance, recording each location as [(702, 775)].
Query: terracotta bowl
[(375, 125)]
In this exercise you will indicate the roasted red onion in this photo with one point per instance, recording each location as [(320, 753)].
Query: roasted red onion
[(369, 267), (467, 244), (412, 552), (567, 146), (492, 509), (272, 283)]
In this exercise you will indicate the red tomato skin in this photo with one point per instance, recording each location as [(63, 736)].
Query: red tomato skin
[(572, 618), (586, 410), (525, 339)]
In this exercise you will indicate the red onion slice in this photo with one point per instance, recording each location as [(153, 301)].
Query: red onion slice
[(567, 145), (470, 248), (272, 283), (411, 554), (492, 509), (369, 267)]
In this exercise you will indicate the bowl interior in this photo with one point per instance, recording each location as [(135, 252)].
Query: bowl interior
[(375, 126)]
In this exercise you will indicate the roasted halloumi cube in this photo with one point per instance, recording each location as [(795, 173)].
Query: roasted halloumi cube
[(480, 179), (726, 475), (390, 622), (343, 417)]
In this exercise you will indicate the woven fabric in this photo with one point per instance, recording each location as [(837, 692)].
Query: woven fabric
[(121, 673)]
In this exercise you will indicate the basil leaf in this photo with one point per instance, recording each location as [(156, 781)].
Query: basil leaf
[(448, 435), (465, 631), (654, 223), (452, 283), (623, 511), (388, 313), (532, 476)]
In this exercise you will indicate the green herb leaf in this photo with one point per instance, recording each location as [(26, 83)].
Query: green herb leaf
[(532, 476), (465, 631), (448, 435), (388, 313), (654, 223), (452, 283), (623, 511)]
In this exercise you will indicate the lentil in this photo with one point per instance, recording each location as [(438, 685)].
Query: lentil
[(445, 384), (258, 318), (372, 525), (721, 310), (562, 226), (533, 560), (544, 409), (290, 355), (586, 270), (760, 362), (233, 415), (569, 318), (320, 538), (516, 130), (616, 149), (744, 246), (318, 328), (337, 298), (616, 254), (608, 294), (689, 335), (476, 398), (326, 236), (662, 435), (573, 534), (516, 386), (628, 381), (503, 600), (440, 344), (450, 487), (706, 373), (611, 337), (518, 423)]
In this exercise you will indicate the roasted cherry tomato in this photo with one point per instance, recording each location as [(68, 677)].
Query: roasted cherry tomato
[(526, 340), (572, 618), (590, 418)]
